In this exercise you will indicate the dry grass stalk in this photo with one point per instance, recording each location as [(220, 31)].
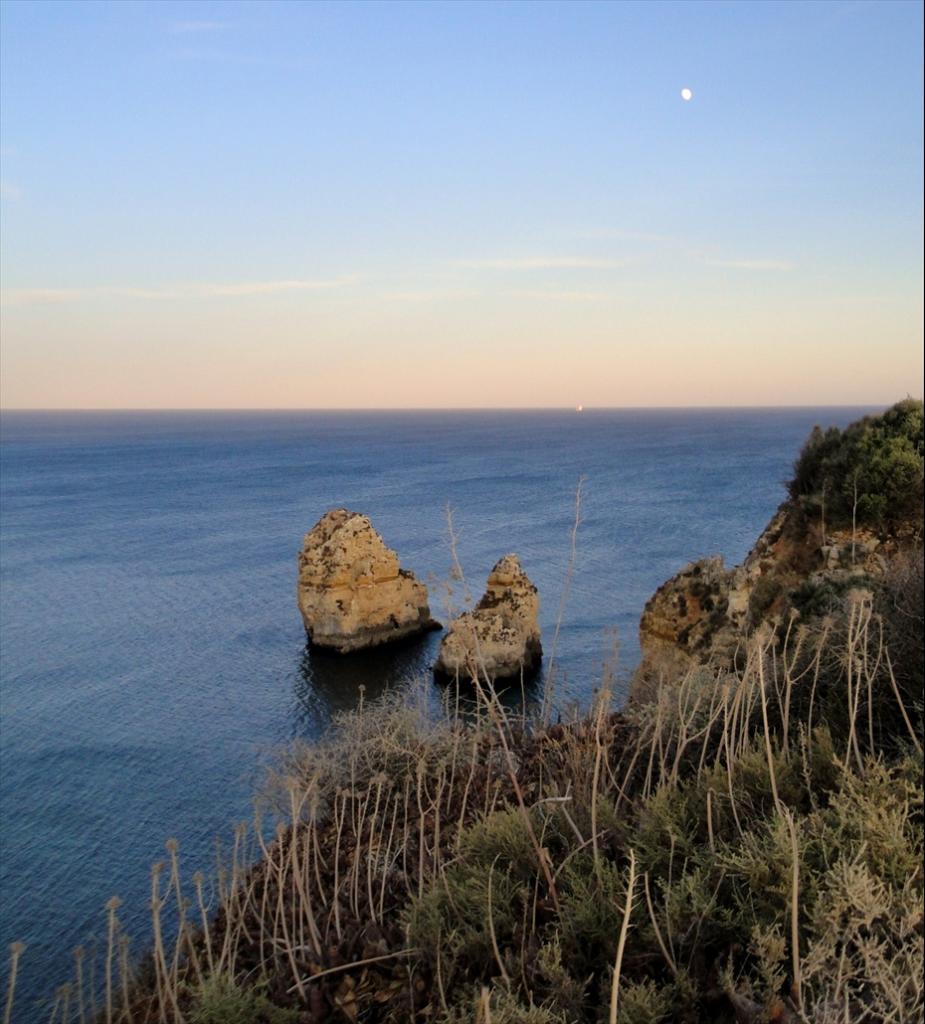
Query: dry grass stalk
[(621, 945), (16, 951)]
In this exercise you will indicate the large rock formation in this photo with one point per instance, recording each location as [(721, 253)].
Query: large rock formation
[(703, 613), (352, 592), (500, 637)]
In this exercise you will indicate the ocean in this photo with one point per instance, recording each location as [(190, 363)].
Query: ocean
[(152, 657)]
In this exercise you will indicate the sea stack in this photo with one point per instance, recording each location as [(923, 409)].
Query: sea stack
[(352, 591), (500, 637)]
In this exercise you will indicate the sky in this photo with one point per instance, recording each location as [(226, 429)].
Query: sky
[(390, 205)]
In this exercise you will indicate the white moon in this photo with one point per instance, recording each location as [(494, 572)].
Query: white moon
[(686, 95)]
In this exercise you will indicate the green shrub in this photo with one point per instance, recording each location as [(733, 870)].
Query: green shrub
[(502, 1008), (221, 1000), (644, 1002), (900, 600), (591, 913), (765, 592), (873, 468), (478, 900)]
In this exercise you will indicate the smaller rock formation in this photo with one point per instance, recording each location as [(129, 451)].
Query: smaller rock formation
[(352, 592), (500, 637)]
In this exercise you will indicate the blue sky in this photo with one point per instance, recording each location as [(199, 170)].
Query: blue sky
[(257, 205)]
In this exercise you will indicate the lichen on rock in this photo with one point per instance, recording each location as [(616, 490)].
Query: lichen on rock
[(702, 614), (352, 591), (500, 637), (681, 619)]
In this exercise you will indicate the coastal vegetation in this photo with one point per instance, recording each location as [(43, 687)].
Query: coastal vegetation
[(870, 473), (853, 520), (743, 842)]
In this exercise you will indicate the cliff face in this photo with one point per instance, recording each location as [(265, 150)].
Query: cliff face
[(865, 481), (500, 637), (702, 614), (352, 592)]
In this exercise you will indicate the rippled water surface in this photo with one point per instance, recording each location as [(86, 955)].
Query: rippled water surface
[(152, 654)]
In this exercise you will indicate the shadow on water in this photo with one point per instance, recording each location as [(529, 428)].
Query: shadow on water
[(515, 695), (328, 684)]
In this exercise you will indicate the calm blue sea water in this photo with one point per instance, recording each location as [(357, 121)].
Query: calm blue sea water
[(152, 654)]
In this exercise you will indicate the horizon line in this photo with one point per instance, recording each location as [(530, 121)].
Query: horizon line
[(434, 408)]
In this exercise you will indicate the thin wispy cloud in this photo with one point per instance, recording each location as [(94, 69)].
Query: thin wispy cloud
[(559, 294), (214, 55), (50, 296), (544, 263), (624, 236), (423, 295), (10, 191), (38, 296), (272, 287), (194, 27), (752, 264)]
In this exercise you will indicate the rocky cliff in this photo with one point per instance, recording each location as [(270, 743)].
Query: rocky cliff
[(854, 513), (352, 592), (500, 637), (703, 613)]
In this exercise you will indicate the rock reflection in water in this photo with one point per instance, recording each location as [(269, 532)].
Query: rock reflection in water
[(328, 684)]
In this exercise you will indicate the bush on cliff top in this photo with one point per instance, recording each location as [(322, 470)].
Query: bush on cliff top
[(872, 469)]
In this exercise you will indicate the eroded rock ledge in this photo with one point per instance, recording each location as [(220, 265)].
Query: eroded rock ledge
[(352, 591), (703, 612), (500, 637)]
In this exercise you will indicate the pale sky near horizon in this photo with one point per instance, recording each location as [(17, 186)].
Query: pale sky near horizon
[(267, 205)]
